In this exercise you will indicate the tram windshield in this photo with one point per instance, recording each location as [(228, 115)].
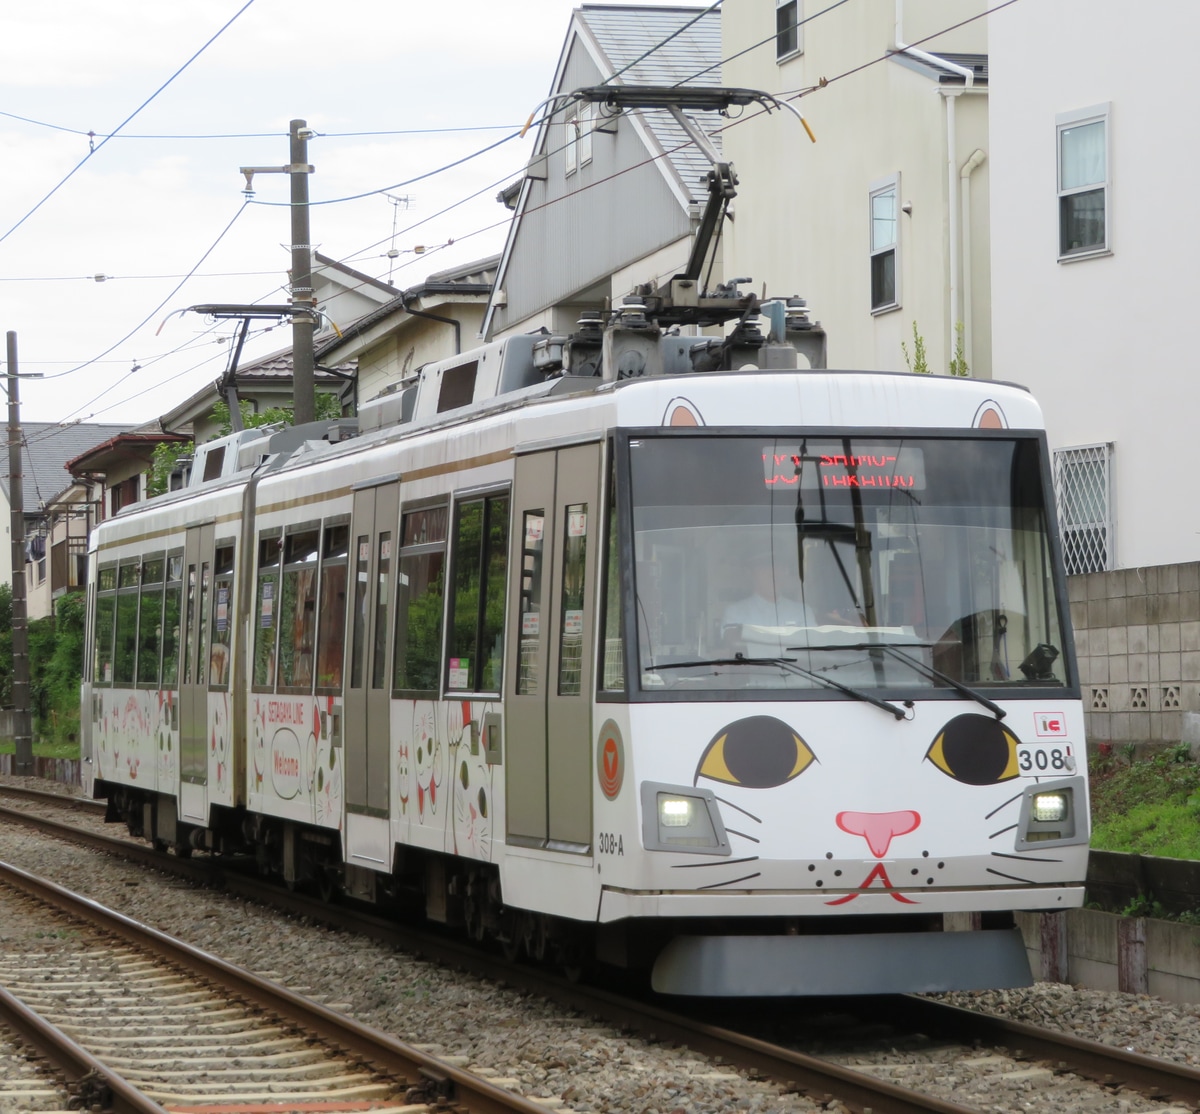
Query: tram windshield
[(867, 562)]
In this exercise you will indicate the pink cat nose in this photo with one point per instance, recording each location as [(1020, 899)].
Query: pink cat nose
[(879, 827)]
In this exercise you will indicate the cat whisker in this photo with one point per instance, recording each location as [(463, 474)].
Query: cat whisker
[(1010, 828), (743, 835), (1011, 877), (1003, 806), (1024, 858), (726, 801), (714, 862), (731, 882)]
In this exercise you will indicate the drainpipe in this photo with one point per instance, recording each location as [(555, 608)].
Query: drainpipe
[(434, 317), (964, 176), (950, 96)]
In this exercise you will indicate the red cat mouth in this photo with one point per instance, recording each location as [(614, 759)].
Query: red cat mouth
[(877, 871)]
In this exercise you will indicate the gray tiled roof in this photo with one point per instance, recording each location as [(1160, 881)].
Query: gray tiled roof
[(625, 34), (45, 450)]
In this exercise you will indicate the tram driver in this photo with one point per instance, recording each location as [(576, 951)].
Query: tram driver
[(753, 621)]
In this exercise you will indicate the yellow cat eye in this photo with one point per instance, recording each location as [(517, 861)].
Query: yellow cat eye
[(759, 752), (976, 750)]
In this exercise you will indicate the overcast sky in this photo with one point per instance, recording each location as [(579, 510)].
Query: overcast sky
[(147, 204)]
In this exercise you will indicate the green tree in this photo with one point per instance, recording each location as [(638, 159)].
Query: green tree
[(167, 454)]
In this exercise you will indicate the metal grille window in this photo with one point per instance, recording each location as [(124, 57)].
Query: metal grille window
[(1083, 491)]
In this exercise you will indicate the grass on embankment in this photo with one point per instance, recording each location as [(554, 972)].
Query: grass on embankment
[(1146, 806)]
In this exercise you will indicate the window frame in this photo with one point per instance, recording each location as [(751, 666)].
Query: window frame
[(880, 188), (797, 48), (488, 497), (1065, 459), (1064, 121), (418, 550)]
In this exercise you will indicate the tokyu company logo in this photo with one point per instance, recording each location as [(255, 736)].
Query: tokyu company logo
[(610, 760)]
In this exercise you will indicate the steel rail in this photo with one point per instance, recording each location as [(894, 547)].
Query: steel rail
[(431, 1080), (89, 1080), (1102, 1062), (1092, 1059)]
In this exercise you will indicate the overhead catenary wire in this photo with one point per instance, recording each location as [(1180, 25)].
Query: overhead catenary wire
[(464, 236), (94, 147)]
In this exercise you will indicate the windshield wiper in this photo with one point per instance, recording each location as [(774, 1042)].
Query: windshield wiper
[(918, 665), (790, 665)]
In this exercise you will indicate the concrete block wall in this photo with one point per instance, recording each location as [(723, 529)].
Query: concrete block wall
[(1137, 637), (1104, 951)]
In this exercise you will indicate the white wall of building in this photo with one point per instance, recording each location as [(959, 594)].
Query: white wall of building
[(1107, 343), (802, 222)]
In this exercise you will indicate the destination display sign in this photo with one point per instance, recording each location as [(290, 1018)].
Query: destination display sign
[(828, 465)]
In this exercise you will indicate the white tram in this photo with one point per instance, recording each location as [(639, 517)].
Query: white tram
[(761, 678), (631, 646)]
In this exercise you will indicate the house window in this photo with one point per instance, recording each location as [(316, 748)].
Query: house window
[(885, 282), (1083, 492), (1083, 161), (577, 143), (789, 38)]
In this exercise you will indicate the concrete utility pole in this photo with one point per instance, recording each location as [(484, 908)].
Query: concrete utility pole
[(302, 291), (22, 716), (303, 305)]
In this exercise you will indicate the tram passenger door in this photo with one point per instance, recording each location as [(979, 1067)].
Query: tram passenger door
[(548, 777), (368, 689), (193, 677)]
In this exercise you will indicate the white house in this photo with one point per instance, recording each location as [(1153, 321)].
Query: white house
[(883, 221), (1090, 278)]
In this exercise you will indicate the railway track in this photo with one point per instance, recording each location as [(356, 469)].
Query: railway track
[(1038, 1054), (138, 1021)]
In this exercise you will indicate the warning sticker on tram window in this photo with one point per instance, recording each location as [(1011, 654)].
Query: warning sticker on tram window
[(573, 622), (222, 609), (385, 549), (364, 550), (266, 616), (531, 623), (535, 528), (577, 524), (829, 465), (460, 673), (1046, 759)]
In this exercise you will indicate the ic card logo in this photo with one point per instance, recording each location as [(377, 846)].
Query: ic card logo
[(1050, 725)]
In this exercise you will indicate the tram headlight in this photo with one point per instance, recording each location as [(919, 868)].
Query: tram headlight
[(675, 812), (681, 818), (1050, 814), (1050, 807)]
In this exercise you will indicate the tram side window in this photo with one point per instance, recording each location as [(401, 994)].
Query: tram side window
[(222, 617), (570, 655), (172, 605), (125, 650), (420, 595), (270, 550), (298, 608), (331, 618), (475, 649), (106, 613), (150, 621), (612, 675)]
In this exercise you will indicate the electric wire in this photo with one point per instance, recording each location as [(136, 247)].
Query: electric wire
[(508, 219), (94, 147)]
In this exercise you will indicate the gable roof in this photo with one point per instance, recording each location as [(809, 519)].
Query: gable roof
[(45, 449), (660, 46), (271, 371), (634, 45)]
